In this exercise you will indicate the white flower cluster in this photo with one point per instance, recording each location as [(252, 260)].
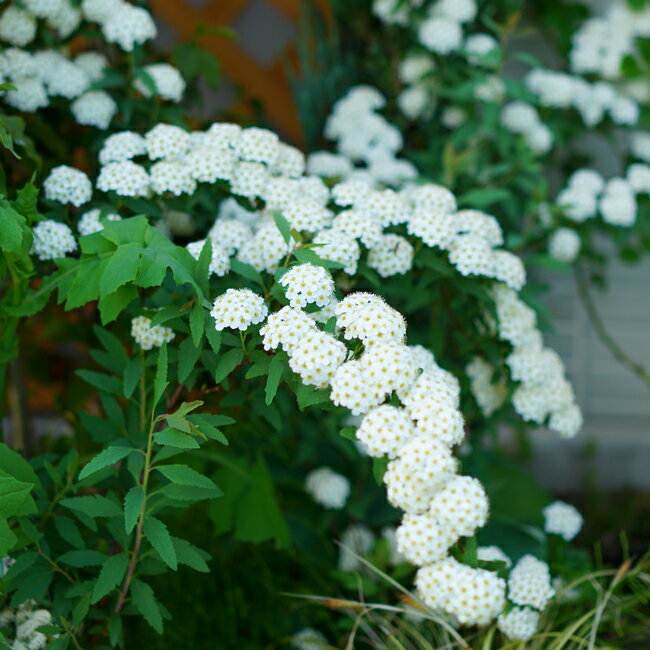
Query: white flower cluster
[(67, 185), (592, 100), (121, 22), (238, 309), (18, 25), (587, 193), (489, 395), (601, 43), (219, 260), (307, 284), (544, 391), (25, 621), (49, 73), (52, 239), (148, 337), (355, 540), (167, 80), (530, 589), (562, 519), (362, 135), (441, 506), (92, 221), (521, 117), (519, 624), (95, 108), (442, 31), (309, 639), (564, 245), (417, 98), (329, 489), (529, 583)]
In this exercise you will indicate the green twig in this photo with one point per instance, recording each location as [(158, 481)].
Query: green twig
[(582, 283)]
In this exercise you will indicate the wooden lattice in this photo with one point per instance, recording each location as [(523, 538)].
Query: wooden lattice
[(267, 84)]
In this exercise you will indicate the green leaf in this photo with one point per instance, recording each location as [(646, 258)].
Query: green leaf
[(160, 382), (379, 466), (174, 438), (197, 323), (309, 396), (112, 344), (112, 305), (212, 333), (131, 376), (111, 575), (108, 456), (276, 370), (132, 507), (15, 497), (145, 602), (82, 558), (7, 537), (206, 427), (158, 535), (483, 198), (189, 493), (188, 355), (114, 629), (69, 531), (99, 380), (283, 226), (190, 555), (247, 271), (250, 505), (11, 228), (121, 269), (349, 433), (92, 506), (228, 361), (308, 256), (15, 465), (184, 475)]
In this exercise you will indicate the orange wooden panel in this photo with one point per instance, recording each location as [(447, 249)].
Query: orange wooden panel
[(268, 84)]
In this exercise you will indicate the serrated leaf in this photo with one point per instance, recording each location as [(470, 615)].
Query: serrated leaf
[(184, 475), (188, 355), (247, 271), (102, 381), (110, 576), (174, 438), (145, 602), (212, 334), (190, 555), (276, 370), (349, 433), (132, 507), (69, 531), (158, 535), (131, 376), (160, 381), (379, 466), (283, 226), (92, 506), (122, 268), (82, 558), (107, 457), (228, 361), (197, 323)]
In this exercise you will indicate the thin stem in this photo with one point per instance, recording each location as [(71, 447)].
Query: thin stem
[(55, 566), (242, 338), (140, 525), (143, 392), (582, 283)]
